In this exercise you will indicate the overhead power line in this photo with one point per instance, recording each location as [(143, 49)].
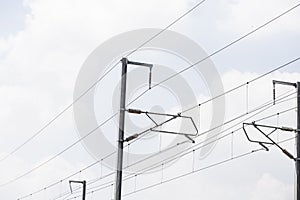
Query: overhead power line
[(56, 117), (280, 99), (55, 156), (271, 102), (225, 47), (202, 169), (200, 145), (204, 143), (108, 184), (97, 81), (150, 39)]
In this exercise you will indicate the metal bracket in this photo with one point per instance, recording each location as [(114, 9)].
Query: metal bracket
[(150, 66), (281, 83), (154, 129), (83, 190), (272, 142)]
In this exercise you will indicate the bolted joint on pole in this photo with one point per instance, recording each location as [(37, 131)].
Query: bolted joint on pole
[(134, 111), (288, 129)]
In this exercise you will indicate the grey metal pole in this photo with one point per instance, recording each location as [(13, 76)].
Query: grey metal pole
[(298, 143), (297, 162), (118, 186), (84, 190)]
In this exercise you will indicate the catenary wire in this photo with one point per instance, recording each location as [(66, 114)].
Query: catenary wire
[(56, 117), (186, 174), (197, 145), (232, 44), (233, 127), (90, 182), (97, 81), (216, 52), (88, 167), (204, 168), (178, 156), (56, 155), (112, 153), (224, 48)]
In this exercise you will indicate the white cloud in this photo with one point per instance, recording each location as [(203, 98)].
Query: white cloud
[(243, 16), (268, 187), (39, 66)]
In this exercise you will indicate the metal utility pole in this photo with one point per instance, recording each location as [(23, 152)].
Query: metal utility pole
[(297, 160), (272, 142), (298, 141), (84, 187), (125, 62), (121, 130)]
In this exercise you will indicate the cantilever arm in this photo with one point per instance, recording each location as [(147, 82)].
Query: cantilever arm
[(262, 143), (148, 114), (272, 142), (150, 129)]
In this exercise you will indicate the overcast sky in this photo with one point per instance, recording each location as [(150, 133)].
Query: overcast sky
[(43, 44)]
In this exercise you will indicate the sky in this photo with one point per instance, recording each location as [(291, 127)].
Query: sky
[(44, 43)]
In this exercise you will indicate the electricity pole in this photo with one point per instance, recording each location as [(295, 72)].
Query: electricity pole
[(121, 130), (297, 85), (125, 62), (298, 141), (272, 142)]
